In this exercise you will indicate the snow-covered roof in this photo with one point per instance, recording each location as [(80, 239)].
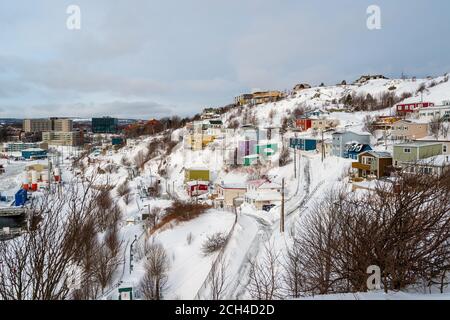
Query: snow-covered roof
[(257, 182), (440, 138), (269, 185), (251, 156), (264, 196), (379, 154), (197, 182), (233, 185), (415, 144), (439, 161), (33, 150)]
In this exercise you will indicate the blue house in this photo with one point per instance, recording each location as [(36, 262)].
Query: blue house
[(305, 144), (342, 139), (354, 149)]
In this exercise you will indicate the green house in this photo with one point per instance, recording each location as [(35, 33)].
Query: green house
[(194, 174), (267, 149), (407, 153)]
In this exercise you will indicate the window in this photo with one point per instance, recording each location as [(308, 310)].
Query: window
[(407, 150), (367, 160)]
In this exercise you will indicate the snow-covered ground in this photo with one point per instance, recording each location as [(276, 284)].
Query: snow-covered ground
[(189, 267)]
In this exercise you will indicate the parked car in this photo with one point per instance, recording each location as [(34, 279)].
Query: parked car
[(268, 207)]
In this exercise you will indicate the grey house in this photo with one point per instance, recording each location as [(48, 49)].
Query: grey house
[(341, 139)]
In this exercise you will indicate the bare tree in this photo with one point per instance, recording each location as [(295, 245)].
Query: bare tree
[(36, 265), (265, 282), (217, 278), (154, 283)]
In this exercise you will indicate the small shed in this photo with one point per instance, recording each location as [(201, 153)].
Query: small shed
[(250, 160), (267, 149)]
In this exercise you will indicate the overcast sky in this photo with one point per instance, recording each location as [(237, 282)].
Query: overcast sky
[(152, 58)]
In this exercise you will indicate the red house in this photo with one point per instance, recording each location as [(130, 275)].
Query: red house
[(411, 107), (303, 124), (196, 188)]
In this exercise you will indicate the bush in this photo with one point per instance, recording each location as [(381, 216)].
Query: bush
[(181, 211), (214, 243)]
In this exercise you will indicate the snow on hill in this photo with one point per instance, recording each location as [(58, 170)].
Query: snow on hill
[(255, 229)]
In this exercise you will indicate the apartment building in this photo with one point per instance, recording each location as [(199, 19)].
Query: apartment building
[(62, 138), (43, 125)]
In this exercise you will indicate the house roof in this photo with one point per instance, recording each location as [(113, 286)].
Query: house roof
[(269, 185), (359, 133), (438, 161), (256, 183), (197, 169), (233, 186), (378, 154), (197, 182), (264, 196), (416, 144)]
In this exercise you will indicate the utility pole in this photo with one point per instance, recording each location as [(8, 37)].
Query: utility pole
[(323, 146), (295, 161), (282, 208)]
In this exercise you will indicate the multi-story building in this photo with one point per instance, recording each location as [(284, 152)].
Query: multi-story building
[(243, 99), (105, 125), (373, 163), (342, 139), (62, 124), (409, 130), (266, 96), (62, 138), (52, 124), (435, 113), (37, 125)]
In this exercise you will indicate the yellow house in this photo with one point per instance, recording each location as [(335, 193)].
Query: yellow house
[(266, 96), (197, 141), (227, 193)]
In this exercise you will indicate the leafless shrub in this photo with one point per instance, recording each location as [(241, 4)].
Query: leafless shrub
[(189, 238), (214, 243), (285, 157), (234, 124), (125, 161), (368, 122), (123, 189)]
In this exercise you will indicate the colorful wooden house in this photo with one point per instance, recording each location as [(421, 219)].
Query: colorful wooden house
[(305, 144), (354, 149), (373, 163), (197, 187)]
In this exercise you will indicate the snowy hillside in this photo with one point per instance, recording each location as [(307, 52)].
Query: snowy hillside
[(254, 229)]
